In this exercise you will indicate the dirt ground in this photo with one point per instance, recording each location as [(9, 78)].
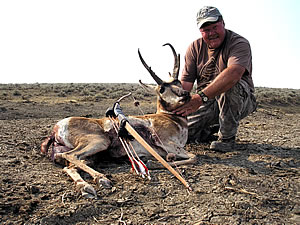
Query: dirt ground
[(256, 183)]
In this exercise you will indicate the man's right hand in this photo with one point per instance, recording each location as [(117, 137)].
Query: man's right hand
[(190, 107)]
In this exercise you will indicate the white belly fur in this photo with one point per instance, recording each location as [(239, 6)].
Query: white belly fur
[(63, 132)]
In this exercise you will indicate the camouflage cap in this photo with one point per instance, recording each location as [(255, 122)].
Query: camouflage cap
[(207, 14)]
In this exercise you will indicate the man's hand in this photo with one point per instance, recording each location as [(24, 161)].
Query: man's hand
[(190, 107)]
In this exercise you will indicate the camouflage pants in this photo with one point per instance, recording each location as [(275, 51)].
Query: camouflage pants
[(225, 112)]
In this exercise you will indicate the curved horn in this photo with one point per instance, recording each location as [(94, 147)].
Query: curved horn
[(176, 61), (154, 76)]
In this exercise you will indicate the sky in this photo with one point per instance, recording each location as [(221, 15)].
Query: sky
[(95, 41)]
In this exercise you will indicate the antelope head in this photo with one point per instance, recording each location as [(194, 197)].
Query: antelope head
[(170, 94)]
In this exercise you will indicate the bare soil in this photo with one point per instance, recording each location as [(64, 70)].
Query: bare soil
[(256, 183)]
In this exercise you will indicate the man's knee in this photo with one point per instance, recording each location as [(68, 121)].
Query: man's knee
[(238, 100)]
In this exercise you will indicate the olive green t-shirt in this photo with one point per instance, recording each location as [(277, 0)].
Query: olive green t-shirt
[(203, 64)]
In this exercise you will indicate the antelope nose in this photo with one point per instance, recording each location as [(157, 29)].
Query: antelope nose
[(186, 93), (182, 92)]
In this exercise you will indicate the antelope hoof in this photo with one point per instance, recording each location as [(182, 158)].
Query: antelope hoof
[(88, 192), (104, 182)]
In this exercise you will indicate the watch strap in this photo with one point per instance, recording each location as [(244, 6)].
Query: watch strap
[(203, 96)]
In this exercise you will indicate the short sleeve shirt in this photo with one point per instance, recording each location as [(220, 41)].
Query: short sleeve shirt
[(203, 64)]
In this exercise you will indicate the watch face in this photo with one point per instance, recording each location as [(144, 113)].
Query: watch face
[(205, 99)]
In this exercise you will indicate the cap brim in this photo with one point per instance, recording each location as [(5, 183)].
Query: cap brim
[(208, 19)]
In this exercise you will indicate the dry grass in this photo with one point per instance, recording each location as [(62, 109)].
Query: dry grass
[(96, 92)]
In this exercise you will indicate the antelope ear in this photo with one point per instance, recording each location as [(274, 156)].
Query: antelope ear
[(171, 78), (148, 87)]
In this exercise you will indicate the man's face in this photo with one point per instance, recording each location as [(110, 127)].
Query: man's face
[(213, 34)]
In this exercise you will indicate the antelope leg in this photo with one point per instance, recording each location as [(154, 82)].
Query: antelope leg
[(99, 178), (86, 189), (156, 165)]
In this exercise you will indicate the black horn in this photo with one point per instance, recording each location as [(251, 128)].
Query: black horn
[(155, 77), (176, 62)]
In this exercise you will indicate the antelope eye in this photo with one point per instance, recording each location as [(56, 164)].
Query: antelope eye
[(162, 89)]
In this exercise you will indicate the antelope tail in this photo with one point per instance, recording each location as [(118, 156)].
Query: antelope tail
[(47, 142)]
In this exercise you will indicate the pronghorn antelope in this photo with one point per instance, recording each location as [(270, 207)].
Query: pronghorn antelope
[(74, 139)]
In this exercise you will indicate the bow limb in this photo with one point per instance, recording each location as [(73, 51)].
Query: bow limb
[(136, 135)]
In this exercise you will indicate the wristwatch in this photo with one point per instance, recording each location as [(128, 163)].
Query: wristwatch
[(203, 96)]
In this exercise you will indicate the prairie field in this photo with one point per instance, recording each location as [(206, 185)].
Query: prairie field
[(256, 183)]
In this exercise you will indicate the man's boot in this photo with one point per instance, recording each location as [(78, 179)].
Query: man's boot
[(223, 145)]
